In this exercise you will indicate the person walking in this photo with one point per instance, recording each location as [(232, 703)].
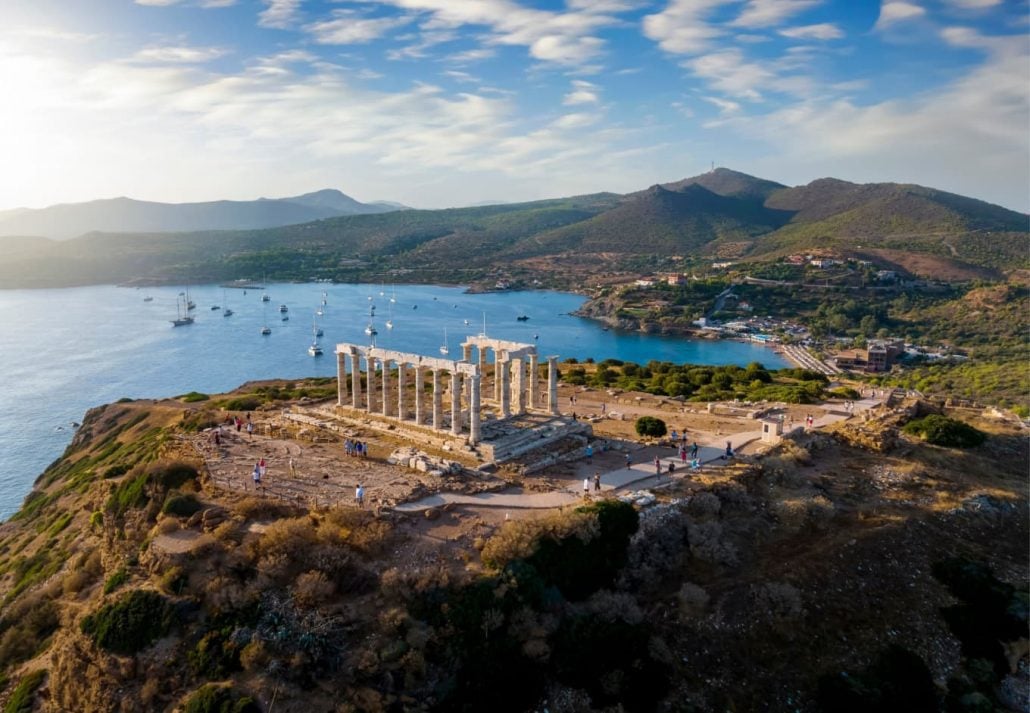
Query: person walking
[(658, 467), (597, 481), (590, 453), (586, 487), (359, 496), (250, 429), (256, 475), (629, 459), (263, 467), (693, 450)]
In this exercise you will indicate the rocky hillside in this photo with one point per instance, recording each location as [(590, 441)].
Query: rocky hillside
[(133, 579)]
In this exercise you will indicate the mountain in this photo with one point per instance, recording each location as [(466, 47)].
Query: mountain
[(722, 214), (128, 215)]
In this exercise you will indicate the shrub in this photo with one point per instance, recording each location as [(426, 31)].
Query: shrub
[(193, 397), (943, 431), (693, 600), (845, 392), (120, 577), (26, 626), (181, 505), (650, 427), (171, 474), (21, 699), (210, 698), (242, 403), (130, 624)]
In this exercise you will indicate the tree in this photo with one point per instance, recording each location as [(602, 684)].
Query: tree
[(649, 426)]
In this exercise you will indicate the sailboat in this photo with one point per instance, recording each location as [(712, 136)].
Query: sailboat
[(148, 298), (226, 312), (264, 286), (190, 304), (315, 350), (389, 322), (443, 347), (182, 317), (393, 296)]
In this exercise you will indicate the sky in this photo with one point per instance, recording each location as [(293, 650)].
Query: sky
[(439, 103)]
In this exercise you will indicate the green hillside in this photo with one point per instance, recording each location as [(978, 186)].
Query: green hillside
[(721, 212)]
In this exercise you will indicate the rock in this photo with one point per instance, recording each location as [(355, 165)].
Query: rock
[(432, 514), (420, 465)]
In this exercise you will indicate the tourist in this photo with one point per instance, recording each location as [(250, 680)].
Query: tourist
[(263, 467), (293, 468), (597, 481), (590, 453), (658, 466), (672, 467), (586, 487), (347, 445), (629, 459), (359, 496), (683, 453), (250, 429), (672, 435), (257, 475), (218, 438), (695, 465), (239, 424), (693, 450), (729, 450), (603, 407)]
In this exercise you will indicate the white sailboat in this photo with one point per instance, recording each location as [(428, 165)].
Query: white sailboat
[(443, 347), (226, 312), (371, 330), (182, 316), (266, 330), (315, 350), (264, 288)]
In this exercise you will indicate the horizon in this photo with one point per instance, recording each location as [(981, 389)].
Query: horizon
[(423, 101)]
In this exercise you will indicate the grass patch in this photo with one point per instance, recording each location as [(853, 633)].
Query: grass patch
[(21, 699), (131, 624)]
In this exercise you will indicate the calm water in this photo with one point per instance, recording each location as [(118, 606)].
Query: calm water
[(67, 350)]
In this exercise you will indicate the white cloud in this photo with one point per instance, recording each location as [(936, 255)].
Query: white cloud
[(822, 31), (767, 13), (157, 3), (725, 105), (973, 4), (582, 93), (184, 55), (731, 74), (279, 14), (473, 55), (348, 29), (560, 37), (897, 11), (682, 28)]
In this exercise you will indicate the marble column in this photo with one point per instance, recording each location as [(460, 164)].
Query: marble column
[(518, 391), (466, 352), (437, 401), (498, 364), (420, 387), (401, 373), (534, 382), (474, 409), (355, 378), (505, 388), (386, 387), (552, 385), (370, 380), (482, 365), (341, 378), (455, 403)]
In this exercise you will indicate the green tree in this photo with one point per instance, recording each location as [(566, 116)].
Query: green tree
[(650, 427)]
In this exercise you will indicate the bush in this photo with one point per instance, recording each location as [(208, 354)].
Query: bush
[(21, 699), (120, 577), (210, 698), (943, 431), (650, 427), (181, 505), (193, 397), (242, 403), (130, 624)]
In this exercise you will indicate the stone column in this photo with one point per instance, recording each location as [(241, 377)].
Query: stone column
[(420, 387), (370, 374), (341, 378), (355, 378), (401, 373), (386, 387), (498, 364), (534, 382), (466, 352), (455, 403), (518, 391), (552, 385), (474, 410), (437, 401), (505, 388), (482, 364)]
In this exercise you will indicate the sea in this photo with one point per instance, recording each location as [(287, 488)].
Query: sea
[(66, 350)]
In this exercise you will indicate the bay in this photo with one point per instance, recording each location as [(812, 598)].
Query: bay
[(67, 350)]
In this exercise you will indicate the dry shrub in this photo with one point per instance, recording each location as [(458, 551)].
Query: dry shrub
[(803, 510), (707, 545), (615, 606), (224, 594), (292, 539), (254, 508), (76, 581), (167, 525), (254, 657), (656, 549), (228, 533), (518, 539), (693, 601), (392, 619), (780, 601), (150, 691), (704, 505), (732, 495), (312, 588)]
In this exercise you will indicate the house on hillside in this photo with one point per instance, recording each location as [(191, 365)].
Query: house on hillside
[(794, 259), (878, 356), (886, 275), (676, 279), (644, 283)]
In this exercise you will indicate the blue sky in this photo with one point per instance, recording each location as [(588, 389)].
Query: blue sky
[(451, 102)]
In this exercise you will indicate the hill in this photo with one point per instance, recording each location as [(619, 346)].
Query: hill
[(139, 575), (718, 215), (127, 215)]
